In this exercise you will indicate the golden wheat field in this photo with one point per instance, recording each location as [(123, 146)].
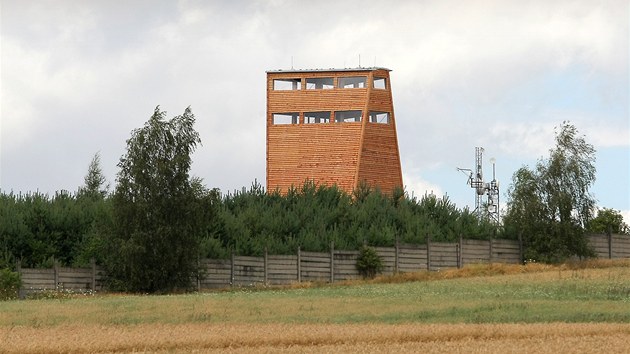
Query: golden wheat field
[(575, 308), (320, 338)]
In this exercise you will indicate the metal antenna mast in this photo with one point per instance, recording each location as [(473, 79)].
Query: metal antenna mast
[(490, 209)]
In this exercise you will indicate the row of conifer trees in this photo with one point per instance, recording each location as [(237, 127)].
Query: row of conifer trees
[(73, 228)]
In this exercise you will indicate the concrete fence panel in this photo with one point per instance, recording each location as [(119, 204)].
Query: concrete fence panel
[(388, 257), (506, 251), (346, 265), (412, 258), (443, 255), (282, 270), (620, 246), (216, 274), (315, 266), (248, 271), (336, 265), (475, 251), (38, 279)]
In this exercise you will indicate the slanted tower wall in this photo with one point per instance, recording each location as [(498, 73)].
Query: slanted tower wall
[(331, 127)]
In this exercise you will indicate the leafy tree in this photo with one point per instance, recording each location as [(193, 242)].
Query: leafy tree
[(158, 208), (551, 205), (608, 220)]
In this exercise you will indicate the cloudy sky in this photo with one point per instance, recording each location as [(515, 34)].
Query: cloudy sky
[(78, 76)]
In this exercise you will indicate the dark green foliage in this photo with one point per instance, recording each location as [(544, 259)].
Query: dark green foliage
[(36, 228), (158, 222), (551, 205), (74, 229), (313, 216), (9, 284), (608, 220), (369, 263), (159, 212)]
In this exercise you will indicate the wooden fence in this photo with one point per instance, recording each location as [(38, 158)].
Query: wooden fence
[(335, 265)]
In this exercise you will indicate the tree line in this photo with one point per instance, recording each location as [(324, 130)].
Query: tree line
[(150, 231), (73, 228)]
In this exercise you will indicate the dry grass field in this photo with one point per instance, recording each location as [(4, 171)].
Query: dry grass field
[(575, 308)]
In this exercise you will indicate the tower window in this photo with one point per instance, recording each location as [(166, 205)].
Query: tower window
[(287, 84), (348, 116), (352, 82), (316, 117), (379, 117), (286, 118), (319, 83), (380, 83)]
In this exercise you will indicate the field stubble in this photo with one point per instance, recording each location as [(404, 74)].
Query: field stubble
[(320, 338)]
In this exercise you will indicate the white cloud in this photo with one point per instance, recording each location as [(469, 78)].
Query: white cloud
[(530, 140), (465, 74), (603, 135), (415, 184), (417, 187)]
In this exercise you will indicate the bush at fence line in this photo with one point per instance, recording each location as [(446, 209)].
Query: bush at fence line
[(369, 263), (9, 284)]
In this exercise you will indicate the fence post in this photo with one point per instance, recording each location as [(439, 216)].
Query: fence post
[(428, 252), (609, 232), (459, 251), (266, 265), (56, 272), (232, 270), (299, 265), (18, 269), (199, 273), (93, 266), (396, 257), (490, 250), (332, 261), (521, 251)]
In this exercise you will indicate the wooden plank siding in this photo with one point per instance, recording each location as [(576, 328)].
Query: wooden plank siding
[(342, 154)]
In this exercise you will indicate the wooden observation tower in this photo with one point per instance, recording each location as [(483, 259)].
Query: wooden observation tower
[(333, 126)]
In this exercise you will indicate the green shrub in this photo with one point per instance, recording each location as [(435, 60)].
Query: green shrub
[(9, 284), (369, 263)]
